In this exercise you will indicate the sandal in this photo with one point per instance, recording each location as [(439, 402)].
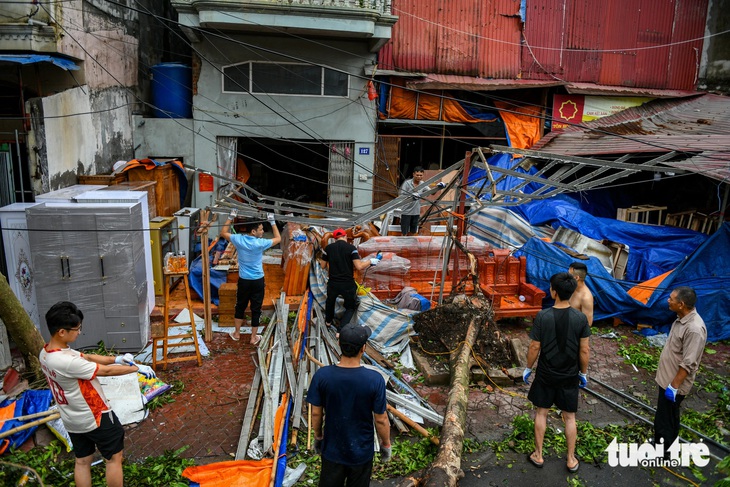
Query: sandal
[(230, 334), (535, 462), (574, 468), (256, 340)]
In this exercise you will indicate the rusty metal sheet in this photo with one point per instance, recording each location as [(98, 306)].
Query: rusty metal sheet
[(594, 89), (457, 37), (632, 43), (695, 125), (470, 83), (622, 42)]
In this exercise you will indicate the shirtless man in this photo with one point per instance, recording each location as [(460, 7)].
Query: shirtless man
[(582, 299)]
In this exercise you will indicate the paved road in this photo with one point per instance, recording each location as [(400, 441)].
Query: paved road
[(485, 469)]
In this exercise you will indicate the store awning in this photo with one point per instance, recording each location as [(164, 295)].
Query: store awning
[(433, 81), (59, 61)]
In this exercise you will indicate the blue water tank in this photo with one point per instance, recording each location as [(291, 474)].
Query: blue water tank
[(172, 94)]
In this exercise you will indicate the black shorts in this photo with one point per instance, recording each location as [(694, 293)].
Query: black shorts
[(108, 438), (564, 397)]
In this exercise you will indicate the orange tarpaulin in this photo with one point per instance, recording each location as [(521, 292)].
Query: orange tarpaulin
[(522, 123), (240, 473), (403, 105), (643, 291)]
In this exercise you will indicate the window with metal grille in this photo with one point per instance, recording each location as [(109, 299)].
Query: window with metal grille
[(285, 79)]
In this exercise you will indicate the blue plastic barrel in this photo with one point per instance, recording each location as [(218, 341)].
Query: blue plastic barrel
[(172, 94)]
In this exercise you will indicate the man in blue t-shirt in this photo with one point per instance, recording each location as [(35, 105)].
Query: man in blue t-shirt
[(559, 336), (250, 246), (349, 396)]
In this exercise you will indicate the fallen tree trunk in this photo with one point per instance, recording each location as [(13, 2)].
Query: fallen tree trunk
[(446, 469), (21, 329)]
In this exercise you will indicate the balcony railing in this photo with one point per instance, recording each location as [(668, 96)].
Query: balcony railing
[(380, 6)]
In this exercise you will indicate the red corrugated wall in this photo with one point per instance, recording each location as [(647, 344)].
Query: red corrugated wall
[(462, 37), (639, 43)]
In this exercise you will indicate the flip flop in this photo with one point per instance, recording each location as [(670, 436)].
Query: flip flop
[(257, 340), (575, 468), (535, 462), (230, 334)]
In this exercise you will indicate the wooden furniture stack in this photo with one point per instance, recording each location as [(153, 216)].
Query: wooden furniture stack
[(226, 303), (503, 281), (167, 186), (646, 214), (181, 339)]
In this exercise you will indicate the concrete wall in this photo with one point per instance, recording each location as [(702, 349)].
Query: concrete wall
[(163, 137), (107, 47), (290, 117), (86, 132), (715, 66)]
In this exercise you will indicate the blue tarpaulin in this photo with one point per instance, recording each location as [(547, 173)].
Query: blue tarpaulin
[(216, 277), (30, 402), (653, 249), (63, 63), (706, 270)]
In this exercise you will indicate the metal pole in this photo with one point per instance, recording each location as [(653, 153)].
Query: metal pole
[(634, 415), (20, 167), (649, 408)]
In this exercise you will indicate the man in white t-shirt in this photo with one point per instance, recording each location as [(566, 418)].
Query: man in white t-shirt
[(85, 411)]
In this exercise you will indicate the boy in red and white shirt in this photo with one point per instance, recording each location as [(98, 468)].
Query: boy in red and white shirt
[(85, 411)]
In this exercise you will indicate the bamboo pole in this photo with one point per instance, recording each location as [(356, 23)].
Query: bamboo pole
[(423, 431), (37, 422), (203, 232), (31, 416)]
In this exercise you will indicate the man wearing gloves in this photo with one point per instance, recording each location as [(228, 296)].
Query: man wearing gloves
[(678, 363), (250, 246), (411, 212), (85, 411), (350, 396), (342, 259), (559, 336)]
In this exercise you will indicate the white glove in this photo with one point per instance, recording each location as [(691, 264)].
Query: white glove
[(526, 375), (146, 371), (126, 359), (233, 214), (271, 218), (441, 184), (415, 196), (374, 262)]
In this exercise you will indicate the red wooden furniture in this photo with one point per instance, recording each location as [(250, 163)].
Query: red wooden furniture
[(502, 279)]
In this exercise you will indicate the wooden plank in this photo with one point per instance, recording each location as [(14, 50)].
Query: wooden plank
[(251, 407)]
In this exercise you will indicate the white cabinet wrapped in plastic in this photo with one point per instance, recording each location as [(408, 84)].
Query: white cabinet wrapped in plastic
[(21, 272), (93, 255)]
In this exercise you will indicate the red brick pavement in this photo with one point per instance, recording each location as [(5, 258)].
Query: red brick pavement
[(207, 414)]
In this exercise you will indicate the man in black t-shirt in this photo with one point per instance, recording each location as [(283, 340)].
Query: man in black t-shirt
[(560, 337), (351, 398), (342, 259)]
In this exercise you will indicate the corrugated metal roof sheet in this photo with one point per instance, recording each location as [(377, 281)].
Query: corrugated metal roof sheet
[(470, 83), (633, 43), (700, 124), (594, 89), (460, 37)]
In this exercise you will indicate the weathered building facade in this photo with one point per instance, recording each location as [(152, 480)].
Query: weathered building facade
[(73, 74), (516, 58), (280, 97)]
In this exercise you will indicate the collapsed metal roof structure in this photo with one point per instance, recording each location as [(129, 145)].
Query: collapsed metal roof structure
[(678, 135)]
